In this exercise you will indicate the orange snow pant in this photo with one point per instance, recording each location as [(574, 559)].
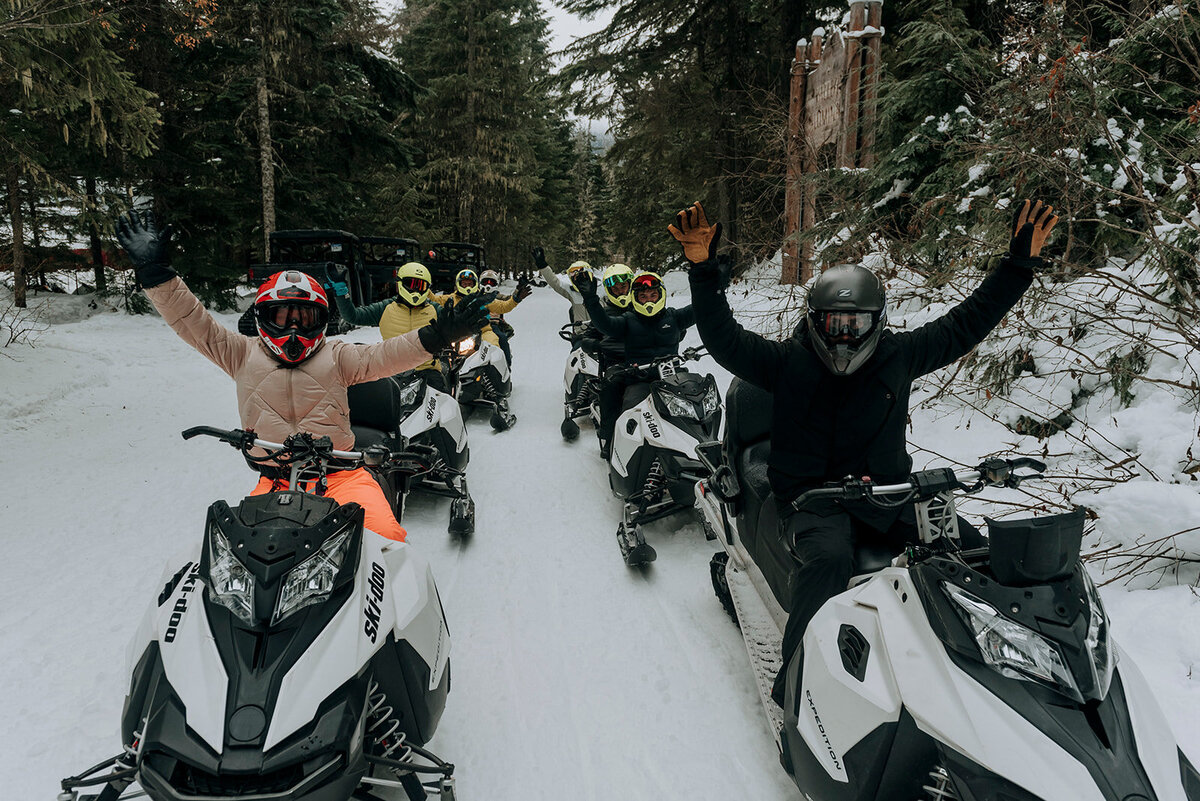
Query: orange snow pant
[(351, 486)]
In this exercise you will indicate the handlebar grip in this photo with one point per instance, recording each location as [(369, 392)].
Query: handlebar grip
[(1027, 461), (813, 494), (207, 431)]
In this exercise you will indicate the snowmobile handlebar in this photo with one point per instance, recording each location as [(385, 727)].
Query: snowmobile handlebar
[(688, 355), (994, 472), (297, 445)]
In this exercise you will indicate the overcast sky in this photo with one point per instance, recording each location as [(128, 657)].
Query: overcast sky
[(564, 27)]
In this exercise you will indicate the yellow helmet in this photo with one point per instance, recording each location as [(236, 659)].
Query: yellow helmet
[(412, 283), (577, 266), (617, 278), (467, 275), (646, 282)]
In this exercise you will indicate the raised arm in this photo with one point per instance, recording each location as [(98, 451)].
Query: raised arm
[(745, 354), (370, 314), (558, 283), (614, 326), (148, 248), (956, 333)]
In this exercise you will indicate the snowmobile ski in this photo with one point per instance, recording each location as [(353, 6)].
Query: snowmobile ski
[(634, 547), (569, 430), (462, 517)]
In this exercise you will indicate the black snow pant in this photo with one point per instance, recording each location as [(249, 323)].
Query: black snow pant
[(435, 378), (616, 395), (824, 545)]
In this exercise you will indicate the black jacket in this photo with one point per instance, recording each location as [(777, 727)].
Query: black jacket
[(645, 338), (824, 426)]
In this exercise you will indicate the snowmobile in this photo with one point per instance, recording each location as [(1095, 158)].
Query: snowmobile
[(652, 463), (294, 656), (581, 378), (481, 379), (424, 431), (940, 673)]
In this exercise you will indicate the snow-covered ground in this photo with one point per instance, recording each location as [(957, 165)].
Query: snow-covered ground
[(573, 676)]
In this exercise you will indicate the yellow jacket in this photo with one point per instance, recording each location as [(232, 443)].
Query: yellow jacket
[(496, 307)]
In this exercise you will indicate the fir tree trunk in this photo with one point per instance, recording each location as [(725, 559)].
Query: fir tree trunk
[(18, 233), (94, 235), (266, 161)]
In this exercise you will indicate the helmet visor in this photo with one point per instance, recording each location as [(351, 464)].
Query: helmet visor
[(413, 284), (647, 290), (618, 284), (844, 327), (488, 283), (294, 315)]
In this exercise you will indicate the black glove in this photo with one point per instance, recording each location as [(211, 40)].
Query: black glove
[(455, 321), (523, 289), (147, 247), (585, 282), (539, 258)]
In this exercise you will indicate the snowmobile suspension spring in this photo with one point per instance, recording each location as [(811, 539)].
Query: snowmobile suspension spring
[(655, 477), (940, 788), (383, 726)]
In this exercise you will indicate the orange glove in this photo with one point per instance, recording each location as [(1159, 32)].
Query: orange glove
[(1031, 226), (698, 238)]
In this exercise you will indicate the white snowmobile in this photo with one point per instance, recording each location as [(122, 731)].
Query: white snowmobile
[(481, 378), (294, 656), (424, 430), (940, 674), (653, 465), (581, 378)]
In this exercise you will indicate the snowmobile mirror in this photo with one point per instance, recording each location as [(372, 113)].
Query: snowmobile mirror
[(1035, 550)]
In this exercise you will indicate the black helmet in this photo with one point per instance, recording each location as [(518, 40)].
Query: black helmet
[(846, 313)]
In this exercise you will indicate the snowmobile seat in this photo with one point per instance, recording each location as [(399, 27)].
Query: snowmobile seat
[(375, 404), (748, 445)]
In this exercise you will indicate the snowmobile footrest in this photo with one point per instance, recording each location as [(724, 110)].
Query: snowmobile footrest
[(763, 641)]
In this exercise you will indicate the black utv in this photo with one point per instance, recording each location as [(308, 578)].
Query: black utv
[(446, 259), (381, 256), (310, 250)]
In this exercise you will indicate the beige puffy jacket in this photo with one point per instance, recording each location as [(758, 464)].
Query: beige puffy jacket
[(277, 401)]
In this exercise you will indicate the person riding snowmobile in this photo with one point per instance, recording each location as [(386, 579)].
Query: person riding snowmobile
[(649, 332), (289, 378), (466, 285), (841, 389), (408, 311)]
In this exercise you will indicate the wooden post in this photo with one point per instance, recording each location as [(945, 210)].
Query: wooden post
[(810, 166), (870, 80), (795, 165), (848, 152)]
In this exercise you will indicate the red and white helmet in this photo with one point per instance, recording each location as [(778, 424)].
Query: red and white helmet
[(291, 311)]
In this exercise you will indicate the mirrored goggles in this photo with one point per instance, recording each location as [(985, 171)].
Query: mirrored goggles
[(414, 284), (489, 283), (846, 326)]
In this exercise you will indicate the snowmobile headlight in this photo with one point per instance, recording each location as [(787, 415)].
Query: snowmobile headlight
[(230, 584), (410, 392), (465, 347), (711, 401), (1011, 649), (1104, 658), (312, 580), (678, 407)]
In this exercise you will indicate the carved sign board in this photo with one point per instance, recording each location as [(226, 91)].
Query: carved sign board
[(826, 95)]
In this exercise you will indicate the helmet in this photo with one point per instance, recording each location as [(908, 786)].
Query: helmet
[(617, 278), (650, 286), (291, 312), (577, 266), (466, 282), (489, 279), (412, 283), (846, 315)]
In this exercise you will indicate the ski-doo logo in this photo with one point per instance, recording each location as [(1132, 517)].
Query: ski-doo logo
[(372, 609), (430, 407), (812, 707), (651, 424), (181, 604)]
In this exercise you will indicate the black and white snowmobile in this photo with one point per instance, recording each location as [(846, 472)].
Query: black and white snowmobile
[(424, 430), (581, 379), (653, 465), (481, 379), (293, 656), (940, 674)]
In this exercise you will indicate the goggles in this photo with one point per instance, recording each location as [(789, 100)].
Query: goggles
[(647, 289), (844, 326), (414, 284), (293, 315), (618, 283), (467, 281), (488, 283)]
